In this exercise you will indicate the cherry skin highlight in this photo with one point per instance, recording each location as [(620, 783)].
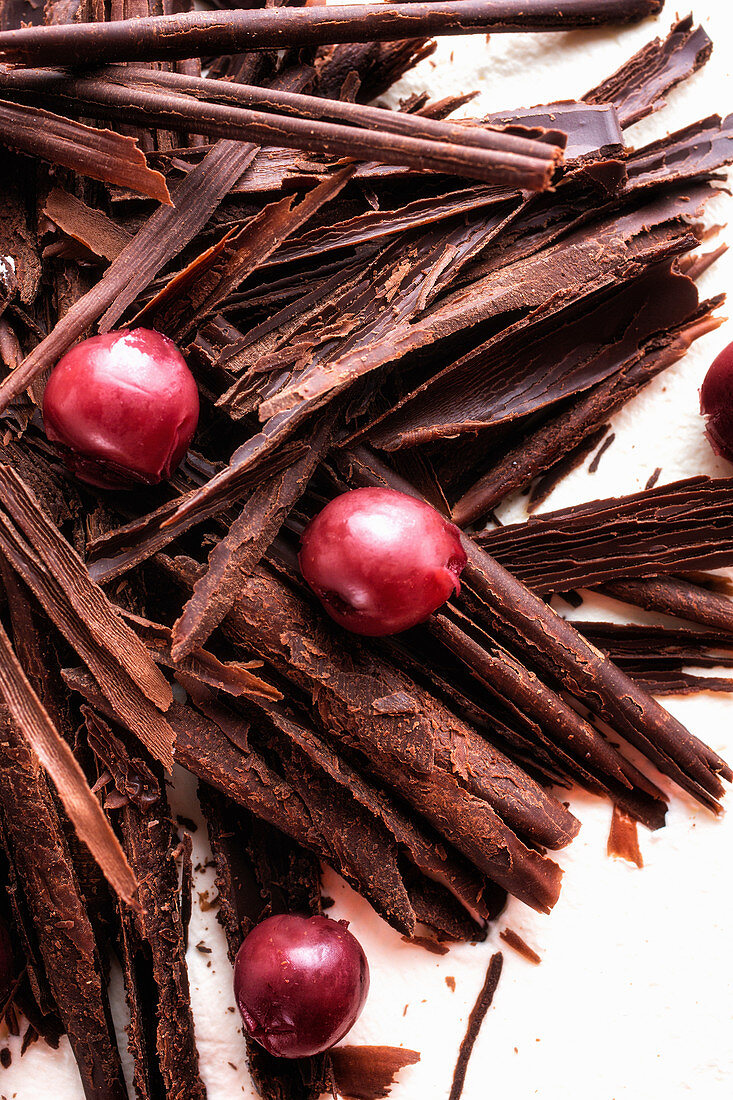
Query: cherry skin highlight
[(122, 408), (300, 984), (380, 561), (716, 402)]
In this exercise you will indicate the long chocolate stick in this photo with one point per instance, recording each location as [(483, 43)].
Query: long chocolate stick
[(162, 107), (200, 34), (299, 105)]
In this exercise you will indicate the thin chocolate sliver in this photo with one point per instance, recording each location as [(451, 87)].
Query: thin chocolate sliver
[(368, 1073), (515, 941), (475, 1020)]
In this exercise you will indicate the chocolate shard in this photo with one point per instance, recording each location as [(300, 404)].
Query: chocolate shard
[(639, 86), (669, 529), (556, 440), (65, 935), (236, 555), (590, 128), (475, 1020), (623, 840), (100, 154), (368, 1073), (91, 227), (200, 34), (514, 940)]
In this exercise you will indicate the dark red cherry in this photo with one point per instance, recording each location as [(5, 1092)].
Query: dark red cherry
[(122, 407), (380, 561), (716, 402), (300, 983)]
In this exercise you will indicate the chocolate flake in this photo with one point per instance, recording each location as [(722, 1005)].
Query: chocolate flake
[(623, 839), (514, 940), (368, 1073)]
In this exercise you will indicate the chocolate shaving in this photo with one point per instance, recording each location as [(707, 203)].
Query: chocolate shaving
[(85, 224), (475, 1020), (368, 1073), (512, 939), (639, 86), (623, 840), (65, 935), (101, 154), (162, 1035), (199, 34), (685, 525), (555, 442), (675, 596), (237, 554)]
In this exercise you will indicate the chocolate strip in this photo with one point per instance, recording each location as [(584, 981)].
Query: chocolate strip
[(638, 87), (242, 774), (528, 626), (81, 611), (100, 154), (154, 948), (475, 1020), (200, 34), (558, 437), (685, 525), (89, 226), (403, 749), (368, 1073), (60, 919)]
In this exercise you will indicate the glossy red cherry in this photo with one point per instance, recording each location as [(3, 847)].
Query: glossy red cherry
[(380, 561), (716, 402), (300, 983), (123, 408)]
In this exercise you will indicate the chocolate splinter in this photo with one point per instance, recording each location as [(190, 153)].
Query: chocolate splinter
[(199, 34)]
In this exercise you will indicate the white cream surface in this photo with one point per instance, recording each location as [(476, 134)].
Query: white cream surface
[(633, 999)]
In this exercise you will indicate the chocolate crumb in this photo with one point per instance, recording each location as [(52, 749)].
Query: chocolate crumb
[(450, 981), (654, 478), (5, 1057), (326, 902), (187, 823), (510, 937), (203, 948)]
